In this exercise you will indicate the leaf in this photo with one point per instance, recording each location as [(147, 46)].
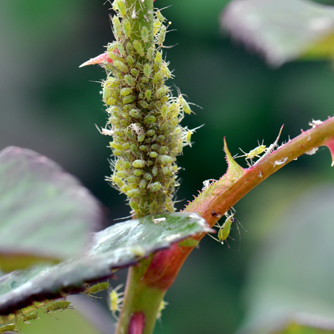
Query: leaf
[(290, 289), (45, 213), (120, 245), (282, 30)]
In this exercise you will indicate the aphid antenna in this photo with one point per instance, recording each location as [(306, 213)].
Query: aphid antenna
[(163, 8)]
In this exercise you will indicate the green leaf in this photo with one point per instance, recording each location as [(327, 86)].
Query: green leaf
[(290, 289), (282, 30), (45, 213), (120, 245)]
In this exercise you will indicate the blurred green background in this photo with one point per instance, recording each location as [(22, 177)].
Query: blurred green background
[(51, 106)]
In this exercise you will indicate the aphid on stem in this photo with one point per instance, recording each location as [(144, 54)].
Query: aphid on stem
[(225, 229), (115, 300)]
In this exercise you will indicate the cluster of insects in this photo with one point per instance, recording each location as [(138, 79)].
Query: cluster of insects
[(30, 313), (261, 149), (144, 117)]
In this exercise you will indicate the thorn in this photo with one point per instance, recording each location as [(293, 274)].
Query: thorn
[(102, 58)]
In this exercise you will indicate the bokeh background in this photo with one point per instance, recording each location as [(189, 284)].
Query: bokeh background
[(49, 105)]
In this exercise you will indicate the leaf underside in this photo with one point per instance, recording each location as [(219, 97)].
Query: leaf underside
[(282, 30), (118, 246), (46, 214)]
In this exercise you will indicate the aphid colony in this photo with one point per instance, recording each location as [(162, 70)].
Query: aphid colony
[(144, 117), (27, 314)]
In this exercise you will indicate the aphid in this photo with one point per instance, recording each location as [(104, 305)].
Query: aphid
[(91, 290), (148, 94), (147, 70), (184, 104), (139, 164), (8, 328), (138, 47), (156, 26), (129, 78), (188, 138), (272, 146), (133, 193), (160, 17), (117, 27), (253, 153), (115, 300), (126, 91), (164, 159), (144, 34), (121, 66), (26, 316), (119, 4), (156, 186), (127, 28), (58, 305), (162, 306), (162, 35), (129, 99), (225, 229), (135, 113)]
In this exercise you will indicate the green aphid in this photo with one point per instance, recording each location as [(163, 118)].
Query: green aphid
[(127, 28), (143, 104), (129, 47), (120, 6), (158, 58), (118, 31), (141, 137), (148, 94), (148, 176), (115, 145), (139, 164), (126, 91), (98, 287), (118, 181), (225, 229), (153, 154), (144, 34), (156, 26), (150, 133), (167, 171), (133, 193), (159, 16), (135, 113), (161, 92), (164, 111), (121, 49), (150, 119), (128, 78), (129, 99), (147, 70), (142, 184), (150, 53), (162, 35), (157, 77), (154, 187), (121, 66), (184, 105), (138, 47), (138, 172), (8, 328), (130, 60), (155, 171), (56, 306), (164, 159)]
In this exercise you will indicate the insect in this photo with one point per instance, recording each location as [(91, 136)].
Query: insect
[(253, 153), (91, 290), (115, 300), (162, 306), (7, 328), (58, 305), (225, 229)]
